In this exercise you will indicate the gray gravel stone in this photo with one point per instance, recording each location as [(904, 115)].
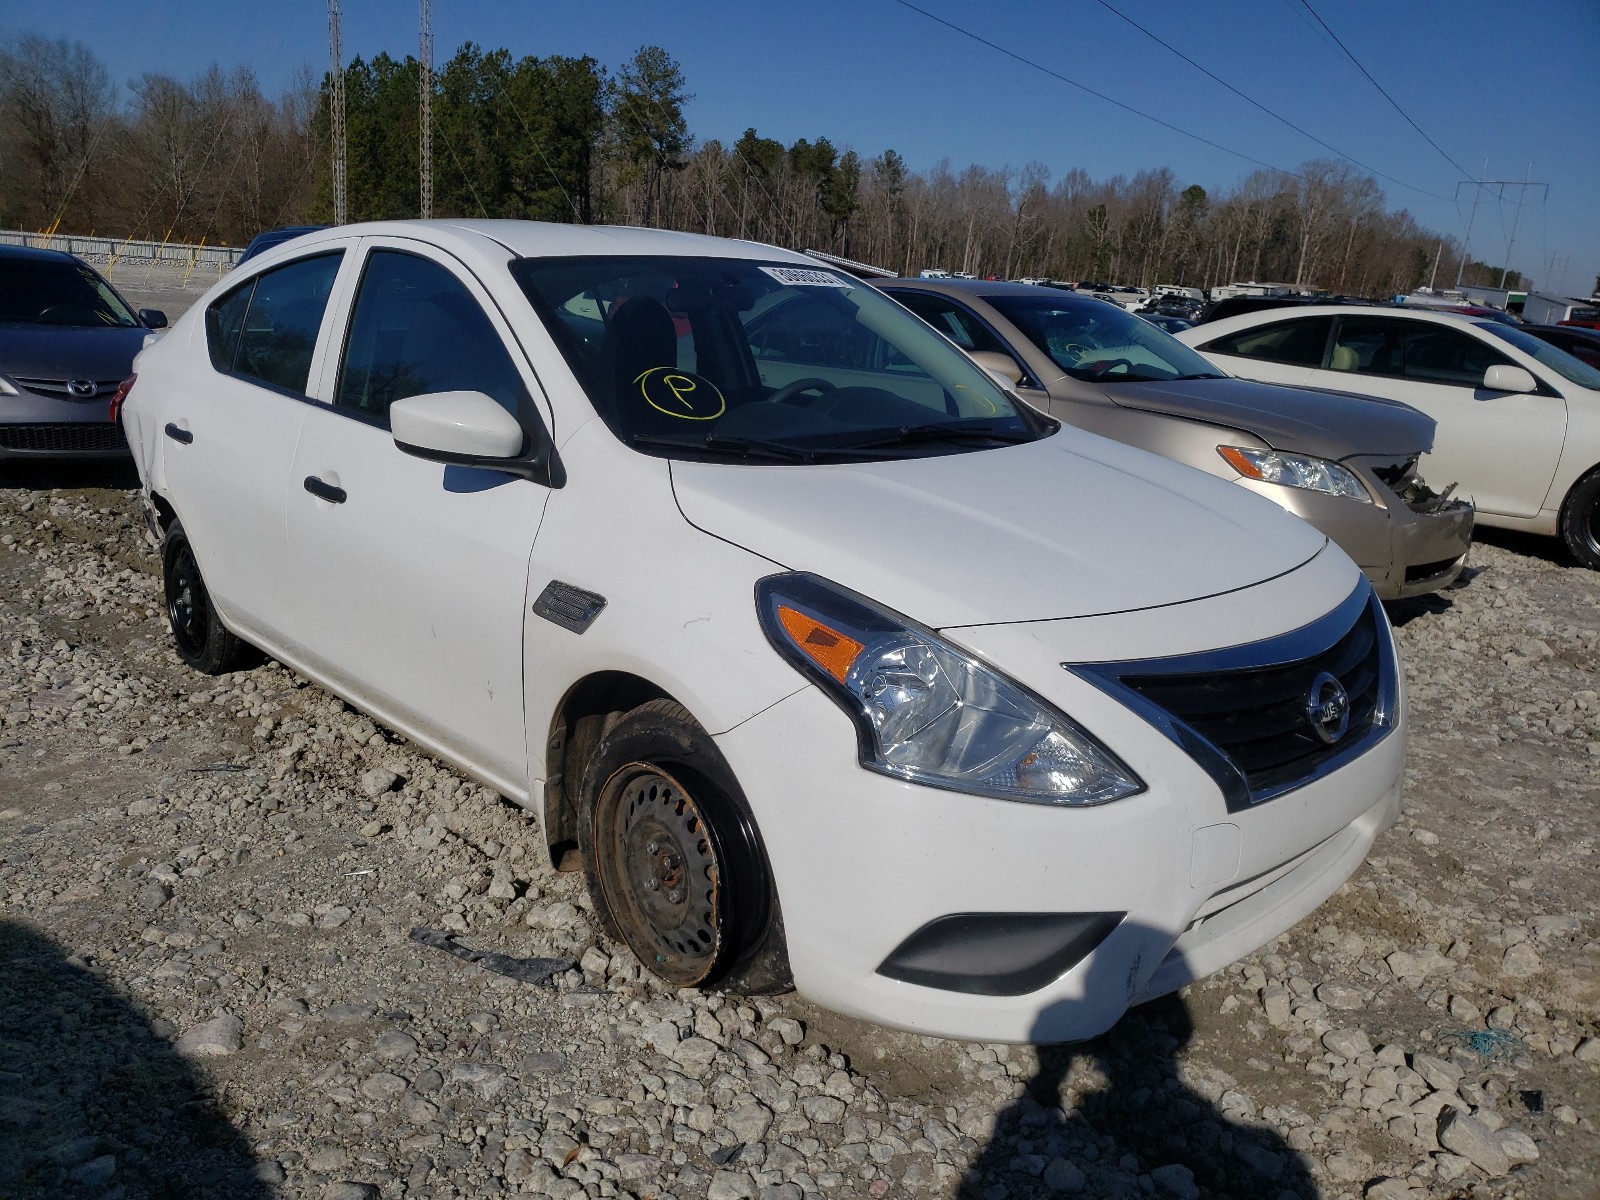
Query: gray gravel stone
[(1347, 1043), (1473, 1140), (215, 1038)]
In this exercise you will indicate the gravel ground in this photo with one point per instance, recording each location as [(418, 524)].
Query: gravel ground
[(207, 987)]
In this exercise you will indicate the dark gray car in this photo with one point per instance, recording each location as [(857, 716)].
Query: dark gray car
[(67, 340), (1347, 464)]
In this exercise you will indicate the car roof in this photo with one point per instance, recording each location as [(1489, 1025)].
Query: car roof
[(1268, 316), (986, 287), (548, 239), (38, 253)]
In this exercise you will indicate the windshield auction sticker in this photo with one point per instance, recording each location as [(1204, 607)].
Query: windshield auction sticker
[(681, 394), (801, 277)]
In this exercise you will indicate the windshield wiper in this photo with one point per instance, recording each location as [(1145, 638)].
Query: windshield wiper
[(716, 443), (908, 434), (1202, 375)]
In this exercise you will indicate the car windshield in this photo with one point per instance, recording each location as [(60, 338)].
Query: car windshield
[(52, 291), (1100, 342), (1573, 370), (709, 357)]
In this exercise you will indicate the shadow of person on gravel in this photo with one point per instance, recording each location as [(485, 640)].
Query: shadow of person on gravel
[(1100, 1114), (93, 1102)]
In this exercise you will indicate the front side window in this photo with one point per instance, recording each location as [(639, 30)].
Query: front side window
[(58, 291), (960, 326), (728, 356), (1563, 362), (1423, 351), (1099, 342), (416, 329), (266, 329), (1299, 343)]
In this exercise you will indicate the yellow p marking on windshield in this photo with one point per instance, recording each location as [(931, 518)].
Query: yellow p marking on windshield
[(680, 394)]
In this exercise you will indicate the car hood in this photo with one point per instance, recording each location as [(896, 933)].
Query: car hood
[(66, 352), (1315, 421), (1072, 525)]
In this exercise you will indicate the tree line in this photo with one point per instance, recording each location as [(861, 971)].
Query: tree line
[(558, 138)]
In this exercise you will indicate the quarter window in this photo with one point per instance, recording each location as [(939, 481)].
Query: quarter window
[(416, 329), (1299, 343), (266, 330)]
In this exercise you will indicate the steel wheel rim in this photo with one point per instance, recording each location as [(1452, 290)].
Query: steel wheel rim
[(1589, 528), (661, 872), (186, 603)]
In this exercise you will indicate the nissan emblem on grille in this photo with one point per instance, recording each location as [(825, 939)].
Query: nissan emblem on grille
[(82, 389), (1328, 708)]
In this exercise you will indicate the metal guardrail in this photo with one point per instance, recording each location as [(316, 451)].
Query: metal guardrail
[(210, 262)]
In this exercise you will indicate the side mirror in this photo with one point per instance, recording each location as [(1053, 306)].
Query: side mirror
[(463, 428), (999, 364), (153, 317), (1505, 378)]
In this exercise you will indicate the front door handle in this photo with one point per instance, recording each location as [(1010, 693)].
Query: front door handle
[(325, 491), (179, 435)]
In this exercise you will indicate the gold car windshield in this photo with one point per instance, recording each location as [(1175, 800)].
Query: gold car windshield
[(713, 357)]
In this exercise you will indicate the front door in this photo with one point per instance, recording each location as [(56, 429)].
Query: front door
[(1501, 447), (419, 569)]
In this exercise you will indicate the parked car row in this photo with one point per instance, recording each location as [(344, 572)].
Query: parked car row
[(747, 581), (746, 577)]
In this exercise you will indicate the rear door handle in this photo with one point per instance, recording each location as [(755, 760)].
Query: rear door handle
[(177, 434), (325, 491)]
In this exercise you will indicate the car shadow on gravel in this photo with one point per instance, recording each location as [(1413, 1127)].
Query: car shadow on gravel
[(117, 473), (93, 1101), (1101, 1114)]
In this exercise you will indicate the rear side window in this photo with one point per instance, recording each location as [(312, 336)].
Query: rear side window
[(267, 329), (1299, 343)]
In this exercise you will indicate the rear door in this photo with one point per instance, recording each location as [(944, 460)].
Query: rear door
[(1500, 447), (229, 438), (415, 573)]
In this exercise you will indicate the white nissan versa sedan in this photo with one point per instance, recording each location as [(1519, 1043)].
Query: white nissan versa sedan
[(836, 662)]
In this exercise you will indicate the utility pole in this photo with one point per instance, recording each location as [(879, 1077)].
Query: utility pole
[(425, 96), (336, 115), (1476, 192)]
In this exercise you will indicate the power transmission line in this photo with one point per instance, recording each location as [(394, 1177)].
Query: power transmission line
[(1257, 104), (1465, 174), (1028, 62)]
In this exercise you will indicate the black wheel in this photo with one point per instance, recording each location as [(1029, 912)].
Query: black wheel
[(674, 863), (198, 633), (1580, 521)]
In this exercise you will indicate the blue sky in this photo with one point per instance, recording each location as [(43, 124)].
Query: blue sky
[(1512, 84)]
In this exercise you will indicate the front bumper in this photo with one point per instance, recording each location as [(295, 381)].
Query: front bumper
[(1403, 552), (33, 426), (862, 862)]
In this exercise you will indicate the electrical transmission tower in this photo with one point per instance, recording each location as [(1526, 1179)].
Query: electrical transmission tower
[(336, 113), (1500, 186), (425, 96)]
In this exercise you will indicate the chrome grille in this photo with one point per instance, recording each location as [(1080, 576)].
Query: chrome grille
[(58, 387), (1244, 713)]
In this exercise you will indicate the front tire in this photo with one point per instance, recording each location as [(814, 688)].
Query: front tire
[(1580, 521), (673, 861), (198, 634)]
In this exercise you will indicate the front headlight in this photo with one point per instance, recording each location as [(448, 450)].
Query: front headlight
[(1295, 470), (929, 713)]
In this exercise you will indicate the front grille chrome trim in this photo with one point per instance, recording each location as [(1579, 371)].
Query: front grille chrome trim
[(1295, 647)]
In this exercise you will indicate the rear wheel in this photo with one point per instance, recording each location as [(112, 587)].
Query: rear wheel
[(198, 633), (1580, 521), (674, 864)]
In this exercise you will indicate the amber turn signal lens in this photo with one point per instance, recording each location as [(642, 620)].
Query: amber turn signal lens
[(828, 648), (1240, 463)]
